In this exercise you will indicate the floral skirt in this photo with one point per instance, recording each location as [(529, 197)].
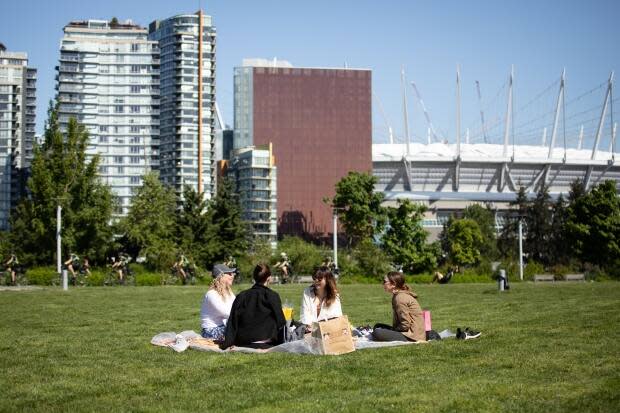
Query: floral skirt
[(214, 333)]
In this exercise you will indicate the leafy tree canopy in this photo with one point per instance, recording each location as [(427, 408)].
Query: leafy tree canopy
[(359, 206), (593, 224), (464, 240), (405, 239), (149, 227), (62, 174)]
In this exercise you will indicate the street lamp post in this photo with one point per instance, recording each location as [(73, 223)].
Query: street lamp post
[(335, 238), (58, 238), (521, 248)]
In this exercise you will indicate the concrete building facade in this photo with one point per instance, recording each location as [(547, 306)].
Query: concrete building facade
[(187, 65), (108, 79), (17, 127), (319, 122), (254, 172)]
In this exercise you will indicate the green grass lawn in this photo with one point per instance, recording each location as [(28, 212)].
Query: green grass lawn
[(550, 347)]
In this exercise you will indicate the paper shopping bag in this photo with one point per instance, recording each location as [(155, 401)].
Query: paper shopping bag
[(334, 335)]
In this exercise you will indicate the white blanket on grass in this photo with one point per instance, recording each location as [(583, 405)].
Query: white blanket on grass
[(190, 339)]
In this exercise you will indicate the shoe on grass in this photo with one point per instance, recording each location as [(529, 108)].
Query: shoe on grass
[(470, 334)]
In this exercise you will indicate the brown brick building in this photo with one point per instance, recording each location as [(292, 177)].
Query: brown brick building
[(319, 122)]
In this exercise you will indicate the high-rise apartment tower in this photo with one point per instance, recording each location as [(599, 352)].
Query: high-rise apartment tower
[(108, 79), (17, 127), (187, 126)]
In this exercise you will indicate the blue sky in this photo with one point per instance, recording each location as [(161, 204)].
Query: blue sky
[(428, 37)]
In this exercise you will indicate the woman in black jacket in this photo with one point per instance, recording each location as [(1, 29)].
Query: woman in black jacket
[(256, 319)]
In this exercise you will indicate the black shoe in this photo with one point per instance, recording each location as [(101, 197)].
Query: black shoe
[(471, 334)]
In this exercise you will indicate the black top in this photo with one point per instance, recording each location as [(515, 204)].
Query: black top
[(256, 315)]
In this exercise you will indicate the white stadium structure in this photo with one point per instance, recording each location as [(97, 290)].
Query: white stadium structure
[(448, 177)]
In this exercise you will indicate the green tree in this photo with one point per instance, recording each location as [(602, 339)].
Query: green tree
[(62, 174), (593, 224), (508, 242), (305, 257), (559, 246), (538, 220), (149, 227), (370, 259), (194, 228), (405, 239), (359, 206), (485, 218), (230, 234), (464, 242)]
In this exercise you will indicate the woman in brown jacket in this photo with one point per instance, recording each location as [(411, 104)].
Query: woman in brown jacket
[(407, 320)]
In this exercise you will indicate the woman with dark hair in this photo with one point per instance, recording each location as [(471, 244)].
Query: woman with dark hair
[(321, 300), (407, 320), (256, 319)]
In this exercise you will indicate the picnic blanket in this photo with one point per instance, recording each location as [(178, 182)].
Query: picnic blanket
[(309, 345)]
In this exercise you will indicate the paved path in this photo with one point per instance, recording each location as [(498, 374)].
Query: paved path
[(20, 288)]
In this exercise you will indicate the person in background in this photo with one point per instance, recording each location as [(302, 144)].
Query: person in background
[(10, 265), (444, 279), (321, 300), (121, 266), (256, 318), (86, 266), (217, 302), (284, 265), (72, 264), (180, 266), (407, 320)]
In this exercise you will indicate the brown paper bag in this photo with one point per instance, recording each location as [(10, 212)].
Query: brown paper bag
[(334, 335)]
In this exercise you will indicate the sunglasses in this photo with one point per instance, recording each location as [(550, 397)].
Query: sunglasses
[(317, 278)]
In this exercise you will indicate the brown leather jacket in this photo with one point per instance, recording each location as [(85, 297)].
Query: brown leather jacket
[(407, 316)]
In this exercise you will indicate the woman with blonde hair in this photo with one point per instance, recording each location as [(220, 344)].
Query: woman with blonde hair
[(217, 302), (407, 320)]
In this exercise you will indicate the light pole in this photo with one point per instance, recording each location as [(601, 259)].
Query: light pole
[(58, 238), (335, 237), (521, 248)]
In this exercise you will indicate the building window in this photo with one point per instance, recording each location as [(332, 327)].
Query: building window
[(134, 159)]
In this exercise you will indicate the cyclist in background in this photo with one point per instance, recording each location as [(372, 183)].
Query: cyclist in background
[(86, 266), (120, 265), (181, 266), (285, 267), (72, 264), (10, 267)]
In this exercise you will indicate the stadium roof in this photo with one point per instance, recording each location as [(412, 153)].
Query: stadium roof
[(486, 152)]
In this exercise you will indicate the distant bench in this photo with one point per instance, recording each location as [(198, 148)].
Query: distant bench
[(566, 277), (544, 277), (574, 277)]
